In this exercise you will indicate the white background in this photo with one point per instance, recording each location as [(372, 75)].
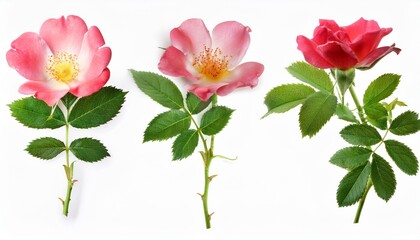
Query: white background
[(281, 186)]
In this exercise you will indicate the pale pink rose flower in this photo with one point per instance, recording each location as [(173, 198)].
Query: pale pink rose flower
[(64, 57), (210, 64)]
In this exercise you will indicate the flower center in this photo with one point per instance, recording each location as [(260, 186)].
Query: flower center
[(212, 64), (63, 67)]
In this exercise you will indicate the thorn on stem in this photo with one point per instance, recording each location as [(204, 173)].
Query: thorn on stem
[(201, 195), (211, 214), (74, 181), (212, 176), (62, 201)]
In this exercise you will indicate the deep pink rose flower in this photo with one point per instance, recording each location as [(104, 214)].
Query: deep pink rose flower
[(64, 57), (210, 63), (353, 46)]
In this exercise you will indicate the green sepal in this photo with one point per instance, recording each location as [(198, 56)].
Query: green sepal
[(215, 119), (159, 88), (185, 144), (351, 157), (359, 134), (315, 112), (195, 105), (98, 108), (311, 75), (35, 113), (403, 156), (405, 124), (353, 185), (68, 100), (344, 78), (383, 177), (285, 97), (88, 149), (381, 88), (45, 148), (167, 125), (377, 115), (344, 113)]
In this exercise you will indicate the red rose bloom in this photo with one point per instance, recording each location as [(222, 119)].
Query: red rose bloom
[(353, 46)]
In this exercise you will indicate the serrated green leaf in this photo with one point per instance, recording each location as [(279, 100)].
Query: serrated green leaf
[(166, 125), (352, 186), (351, 157), (402, 156), (344, 113), (311, 75), (377, 115), (383, 177), (405, 124), (68, 100), (98, 108), (195, 105), (285, 97), (88, 149), (215, 119), (381, 88), (45, 148), (35, 113), (358, 134), (185, 144), (159, 88), (315, 112)]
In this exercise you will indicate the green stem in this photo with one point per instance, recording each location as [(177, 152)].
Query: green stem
[(207, 156), (358, 106), (205, 195), (369, 183), (66, 203), (68, 168), (362, 201)]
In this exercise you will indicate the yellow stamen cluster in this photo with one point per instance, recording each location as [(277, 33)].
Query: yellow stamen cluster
[(63, 67), (212, 64)]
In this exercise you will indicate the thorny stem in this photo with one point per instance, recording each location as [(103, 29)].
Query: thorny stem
[(207, 156), (369, 183), (68, 168)]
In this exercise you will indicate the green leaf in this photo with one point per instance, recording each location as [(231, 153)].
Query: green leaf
[(35, 113), (358, 134), (315, 112), (45, 148), (351, 157), (344, 113), (166, 125), (377, 115), (159, 88), (344, 78), (381, 88), (68, 100), (352, 186), (402, 156), (311, 75), (405, 124), (215, 119), (185, 144), (195, 105), (98, 108), (285, 97), (88, 149), (383, 177)]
